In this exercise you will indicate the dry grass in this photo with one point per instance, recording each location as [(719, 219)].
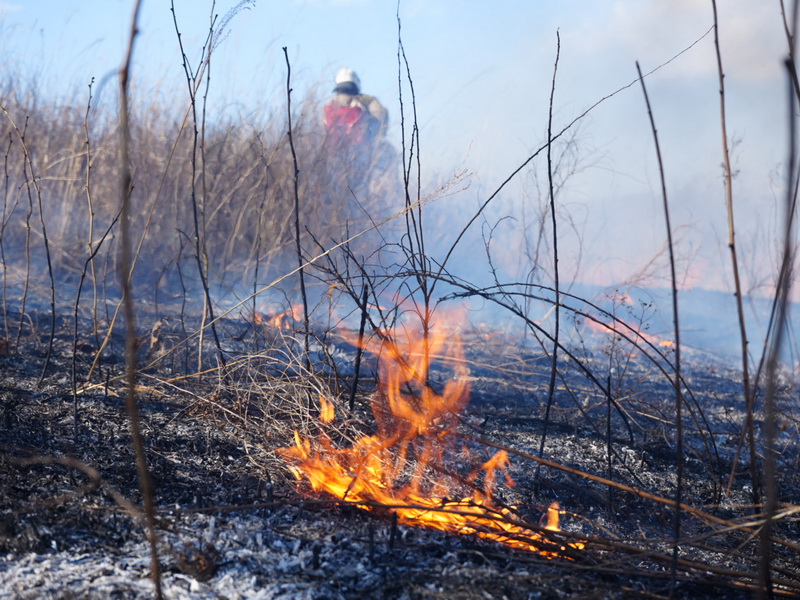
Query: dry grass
[(245, 194)]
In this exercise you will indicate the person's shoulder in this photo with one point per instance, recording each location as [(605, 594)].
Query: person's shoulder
[(366, 98)]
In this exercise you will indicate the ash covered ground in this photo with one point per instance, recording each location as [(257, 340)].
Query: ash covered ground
[(232, 523)]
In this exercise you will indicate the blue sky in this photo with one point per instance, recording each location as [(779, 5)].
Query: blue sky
[(482, 73)]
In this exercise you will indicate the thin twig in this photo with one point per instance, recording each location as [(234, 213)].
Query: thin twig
[(193, 80), (296, 188), (676, 381), (145, 482), (414, 240), (360, 347), (89, 260), (776, 345), (33, 182), (748, 392), (3, 225), (557, 302)]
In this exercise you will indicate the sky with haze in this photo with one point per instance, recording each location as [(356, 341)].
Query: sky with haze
[(482, 74)]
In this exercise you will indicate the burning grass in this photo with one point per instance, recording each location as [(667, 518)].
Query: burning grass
[(405, 467)]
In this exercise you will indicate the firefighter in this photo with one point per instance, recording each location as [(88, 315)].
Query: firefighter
[(362, 176), (354, 119)]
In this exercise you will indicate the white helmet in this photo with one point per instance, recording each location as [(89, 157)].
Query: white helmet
[(346, 75)]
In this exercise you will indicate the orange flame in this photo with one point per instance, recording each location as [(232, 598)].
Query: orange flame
[(326, 411), (403, 467), (284, 319), (635, 333)]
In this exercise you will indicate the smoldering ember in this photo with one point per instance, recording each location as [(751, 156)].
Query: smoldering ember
[(240, 363)]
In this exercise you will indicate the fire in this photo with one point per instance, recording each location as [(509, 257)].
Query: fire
[(282, 320), (633, 332), (404, 467), (327, 411)]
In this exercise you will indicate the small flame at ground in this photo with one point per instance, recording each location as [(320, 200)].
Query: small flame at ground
[(631, 331), (405, 467), (281, 320), (326, 410)]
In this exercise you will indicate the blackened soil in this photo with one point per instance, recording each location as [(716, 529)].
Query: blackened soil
[(232, 527)]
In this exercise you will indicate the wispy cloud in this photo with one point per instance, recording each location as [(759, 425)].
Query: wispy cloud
[(751, 36), (9, 7)]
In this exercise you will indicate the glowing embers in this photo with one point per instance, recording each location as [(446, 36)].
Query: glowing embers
[(416, 466)]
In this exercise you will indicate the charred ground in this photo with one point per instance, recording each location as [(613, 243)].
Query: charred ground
[(233, 523)]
